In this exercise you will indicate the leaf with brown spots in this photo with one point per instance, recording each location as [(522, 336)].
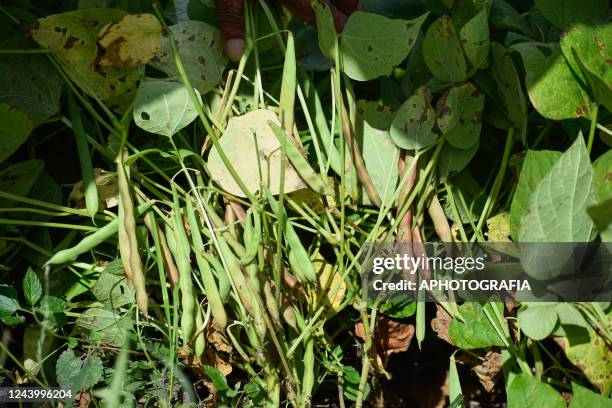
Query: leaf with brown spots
[(129, 41), (412, 127), (199, 46), (442, 52), (71, 37), (459, 115)]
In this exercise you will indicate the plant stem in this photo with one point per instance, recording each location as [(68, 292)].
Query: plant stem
[(594, 112)]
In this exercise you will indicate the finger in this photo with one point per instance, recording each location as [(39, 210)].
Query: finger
[(303, 10), (347, 7), (231, 19)]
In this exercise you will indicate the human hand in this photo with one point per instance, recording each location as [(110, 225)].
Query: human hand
[(231, 19)]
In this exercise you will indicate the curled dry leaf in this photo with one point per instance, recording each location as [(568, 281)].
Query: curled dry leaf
[(389, 336), (441, 323), (488, 371), (107, 190), (129, 41)]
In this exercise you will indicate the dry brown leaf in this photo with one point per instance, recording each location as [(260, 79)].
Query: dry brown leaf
[(488, 371), (107, 190), (218, 340), (389, 336), (441, 323)]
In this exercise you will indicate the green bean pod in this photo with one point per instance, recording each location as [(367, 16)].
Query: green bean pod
[(91, 241), (271, 302), (170, 240), (92, 200), (218, 223), (223, 282), (184, 267), (251, 237), (298, 256), (166, 256), (129, 222), (308, 376), (288, 86), (236, 275), (200, 341), (299, 162), (124, 243), (208, 281)]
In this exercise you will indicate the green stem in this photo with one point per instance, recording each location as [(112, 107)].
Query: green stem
[(593, 127)]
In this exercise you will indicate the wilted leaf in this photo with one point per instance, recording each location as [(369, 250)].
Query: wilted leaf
[(536, 165), (412, 127), (389, 336), (31, 84), (72, 38), (564, 12), (377, 148), (476, 331), (129, 41), (163, 107), (526, 391), (442, 51), (563, 194), (15, 127), (246, 156), (19, 178), (372, 45), (459, 115), (475, 39), (200, 49), (441, 324), (106, 182), (551, 86)]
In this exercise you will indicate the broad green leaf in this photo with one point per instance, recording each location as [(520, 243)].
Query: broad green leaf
[(551, 86), (326, 30), (105, 324), (537, 319), (19, 178), (31, 84), (587, 351), (217, 378), (583, 397), (526, 391), (570, 319), (377, 147), (452, 159), (32, 289), (475, 39), (459, 115), (163, 107), (412, 127), (246, 156), (588, 49), (78, 373), (53, 304), (201, 52), (504, 16), (562, 13), (112, 289), (508, 83), (129, 41), (536, 165), (8, 300), (476, 331), (602, 176), (442, 51), (15, 127), (601, 214), (372, 45), (563, 194), (72, 38)]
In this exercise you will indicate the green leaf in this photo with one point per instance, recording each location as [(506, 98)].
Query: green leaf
[(459, 115), (351, 383), (583, 397), (31, 84), (378, 149), (476, 331), (601, 214), (238, 143), (163, 107), (563, 194), (54, 304), (588, 50), (475, 39), (587, 351), (15, 127), (537, 319), (32, 289), (217, 378), (453, 160), (536, 165), (562, 13), (72, 38), (504, 16), (112, 289), (526, 391), (551, 86), (372, 45), (602, 176), (412, 127), (8, 301), (19, 178), (108, 325), (200, 49), (465, 185), (442, 51), (78, 373), (508, 83), (326, 30)]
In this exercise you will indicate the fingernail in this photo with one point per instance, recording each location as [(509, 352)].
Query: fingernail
[(234, 47)]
